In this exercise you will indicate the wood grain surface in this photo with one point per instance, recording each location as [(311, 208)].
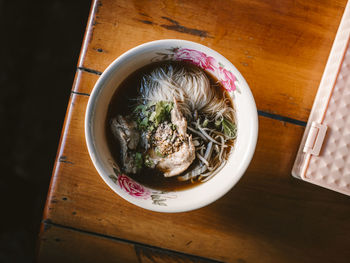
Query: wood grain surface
[(60, 244), (65, 245), (281, 48)]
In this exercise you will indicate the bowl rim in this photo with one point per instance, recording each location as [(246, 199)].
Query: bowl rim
[(98, 87)]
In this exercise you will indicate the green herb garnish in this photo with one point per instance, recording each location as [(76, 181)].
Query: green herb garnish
[(151, 115), (148, 162), (140, 107), (229, 128), (138, 160), (163, 109), (144, 123), (205, 123)]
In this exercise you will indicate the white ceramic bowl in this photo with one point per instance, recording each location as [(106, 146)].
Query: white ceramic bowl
[(246, 120)]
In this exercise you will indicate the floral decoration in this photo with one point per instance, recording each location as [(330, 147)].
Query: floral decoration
[(133, 188), (196, 57), (138, 191), (202, 60), (227, 78)]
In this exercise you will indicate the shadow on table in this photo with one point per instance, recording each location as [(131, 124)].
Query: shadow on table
[(40, 46)]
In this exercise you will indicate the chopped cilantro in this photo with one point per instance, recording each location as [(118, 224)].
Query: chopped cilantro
[(163, 109), (140, 107), (144, 123), (152, 114)]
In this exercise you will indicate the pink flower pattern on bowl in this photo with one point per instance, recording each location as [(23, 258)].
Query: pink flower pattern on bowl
[(196, 57), (227, 79), (136, 190), (133, 188), (202, 60)]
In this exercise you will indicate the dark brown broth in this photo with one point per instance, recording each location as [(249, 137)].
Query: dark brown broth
[(123, 102)]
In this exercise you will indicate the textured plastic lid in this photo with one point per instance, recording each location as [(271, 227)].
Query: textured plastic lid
[(324, 154)]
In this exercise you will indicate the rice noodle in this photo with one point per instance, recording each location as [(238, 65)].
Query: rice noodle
[(200, 157), (188, 85), (203, 175), (216, 148), (221, 151), (202, 151), (194, 173), (197, 132), (208, 151), (214, 172), (207, 136)]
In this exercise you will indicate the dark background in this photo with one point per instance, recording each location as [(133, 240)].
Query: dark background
[(40, 45)]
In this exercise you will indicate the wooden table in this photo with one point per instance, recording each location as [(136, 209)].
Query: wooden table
[(281, 48)]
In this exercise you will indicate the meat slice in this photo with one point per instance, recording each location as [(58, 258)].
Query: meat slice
[(126, 133), (178, 161), (179, 120)]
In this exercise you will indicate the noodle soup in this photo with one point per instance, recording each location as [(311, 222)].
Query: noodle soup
[(170, 126)]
